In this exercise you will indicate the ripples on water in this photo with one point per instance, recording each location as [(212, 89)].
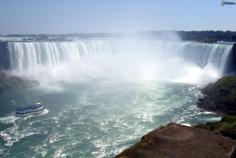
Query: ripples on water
[(93, 120)]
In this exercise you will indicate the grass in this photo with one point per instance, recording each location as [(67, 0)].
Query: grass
[(227, 81), (226, 127)]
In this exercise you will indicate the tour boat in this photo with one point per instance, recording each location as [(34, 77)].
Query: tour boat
[(30, 110)]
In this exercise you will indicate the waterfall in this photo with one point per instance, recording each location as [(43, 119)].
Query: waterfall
[(201, 54), (30, 55), (117, 58)]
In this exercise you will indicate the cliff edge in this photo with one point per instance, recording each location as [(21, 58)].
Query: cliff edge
[(180, 141)]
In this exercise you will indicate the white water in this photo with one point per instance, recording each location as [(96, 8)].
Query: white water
[(119, 60)]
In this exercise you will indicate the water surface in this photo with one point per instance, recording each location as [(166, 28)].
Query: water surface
[(93, 119)]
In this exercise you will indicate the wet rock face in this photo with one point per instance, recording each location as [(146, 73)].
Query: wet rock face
[(181, 141), (8, 82), (220, 97), (4, 55)]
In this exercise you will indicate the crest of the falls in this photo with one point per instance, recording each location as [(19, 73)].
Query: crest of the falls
[(207, 54), (130, 59), (29, 55)]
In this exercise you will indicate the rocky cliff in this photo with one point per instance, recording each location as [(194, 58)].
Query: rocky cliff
[(9, 82), (177, 141), (4, 55), (220, 97)]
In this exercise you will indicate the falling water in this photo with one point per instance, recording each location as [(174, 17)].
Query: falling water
[(106, 57)]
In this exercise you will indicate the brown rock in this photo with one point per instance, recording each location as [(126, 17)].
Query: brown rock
[(178, 141)]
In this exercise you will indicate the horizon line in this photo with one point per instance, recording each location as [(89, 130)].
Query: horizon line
[(115, 33)]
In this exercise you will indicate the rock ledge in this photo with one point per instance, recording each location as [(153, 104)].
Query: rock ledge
[(181, 141)]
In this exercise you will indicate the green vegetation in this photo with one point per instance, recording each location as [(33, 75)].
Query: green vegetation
[(162, 126), (208, 36), (227, 87), (226, 127), (220, 97), (198, 36), (226, 81), (232, 96), (229, 119)]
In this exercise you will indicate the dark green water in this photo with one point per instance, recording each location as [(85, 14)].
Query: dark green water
[(93, 119)]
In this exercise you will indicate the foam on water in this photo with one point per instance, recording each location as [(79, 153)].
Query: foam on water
[(8, 119), (12, 135), (45, 112), (15, 133)]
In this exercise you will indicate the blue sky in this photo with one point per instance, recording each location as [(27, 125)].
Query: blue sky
[(74, 16)]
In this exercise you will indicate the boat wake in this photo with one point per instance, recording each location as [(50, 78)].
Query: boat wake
[(11, 134), (8, 119), (44, 112)]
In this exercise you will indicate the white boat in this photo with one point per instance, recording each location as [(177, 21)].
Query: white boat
[(34, 109)]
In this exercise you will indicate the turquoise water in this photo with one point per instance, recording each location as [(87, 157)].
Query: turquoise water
[(93, 119)]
